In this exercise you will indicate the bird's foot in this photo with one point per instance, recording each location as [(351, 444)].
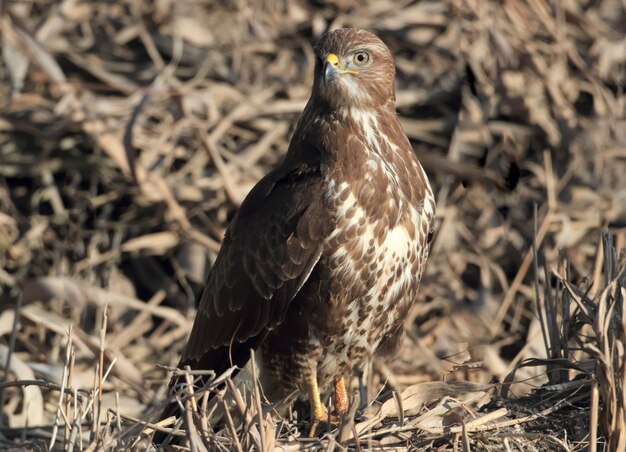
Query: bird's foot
[(322, 417), (319, 413)]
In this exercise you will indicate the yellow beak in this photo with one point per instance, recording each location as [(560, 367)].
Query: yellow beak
[(332, 59), (332, 68)]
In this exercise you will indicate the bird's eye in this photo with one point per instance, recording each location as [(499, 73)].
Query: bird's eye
[(361, 58)]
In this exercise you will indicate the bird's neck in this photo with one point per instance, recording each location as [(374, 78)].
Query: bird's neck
[(349, 136), (368, 151), (372, 133)]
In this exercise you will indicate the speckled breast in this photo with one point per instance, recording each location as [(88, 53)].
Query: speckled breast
[(375, 258)]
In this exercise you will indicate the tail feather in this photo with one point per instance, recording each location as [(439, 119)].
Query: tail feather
[(161, 438), (221, 360)]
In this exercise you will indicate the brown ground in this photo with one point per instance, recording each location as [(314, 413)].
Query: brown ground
[(131, 130)]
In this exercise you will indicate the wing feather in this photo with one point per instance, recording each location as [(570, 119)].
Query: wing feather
[(269, 251)]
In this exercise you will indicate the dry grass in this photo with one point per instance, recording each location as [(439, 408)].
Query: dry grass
[(131, 130)]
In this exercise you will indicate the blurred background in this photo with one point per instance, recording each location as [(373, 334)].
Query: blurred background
[(131, 130)]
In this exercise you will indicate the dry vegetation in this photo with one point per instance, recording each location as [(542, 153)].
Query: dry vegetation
[(131, 130)]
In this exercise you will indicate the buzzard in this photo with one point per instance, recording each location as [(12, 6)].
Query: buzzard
[(323, 260)]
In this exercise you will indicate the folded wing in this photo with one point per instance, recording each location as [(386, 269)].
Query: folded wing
[(267, 255)]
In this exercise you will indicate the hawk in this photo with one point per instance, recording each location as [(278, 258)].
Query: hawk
[(323, 260)]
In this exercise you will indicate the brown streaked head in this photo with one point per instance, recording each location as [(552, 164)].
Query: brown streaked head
[(354, 68)]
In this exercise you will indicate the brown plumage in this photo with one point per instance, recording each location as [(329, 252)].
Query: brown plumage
[(323, 260)]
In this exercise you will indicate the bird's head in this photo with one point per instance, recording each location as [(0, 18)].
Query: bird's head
[(353, 69)]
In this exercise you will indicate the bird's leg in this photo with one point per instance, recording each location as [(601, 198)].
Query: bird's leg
[(318, 410), (341, 398)]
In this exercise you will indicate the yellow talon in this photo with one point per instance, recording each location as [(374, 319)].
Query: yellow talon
[(318, 410)]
